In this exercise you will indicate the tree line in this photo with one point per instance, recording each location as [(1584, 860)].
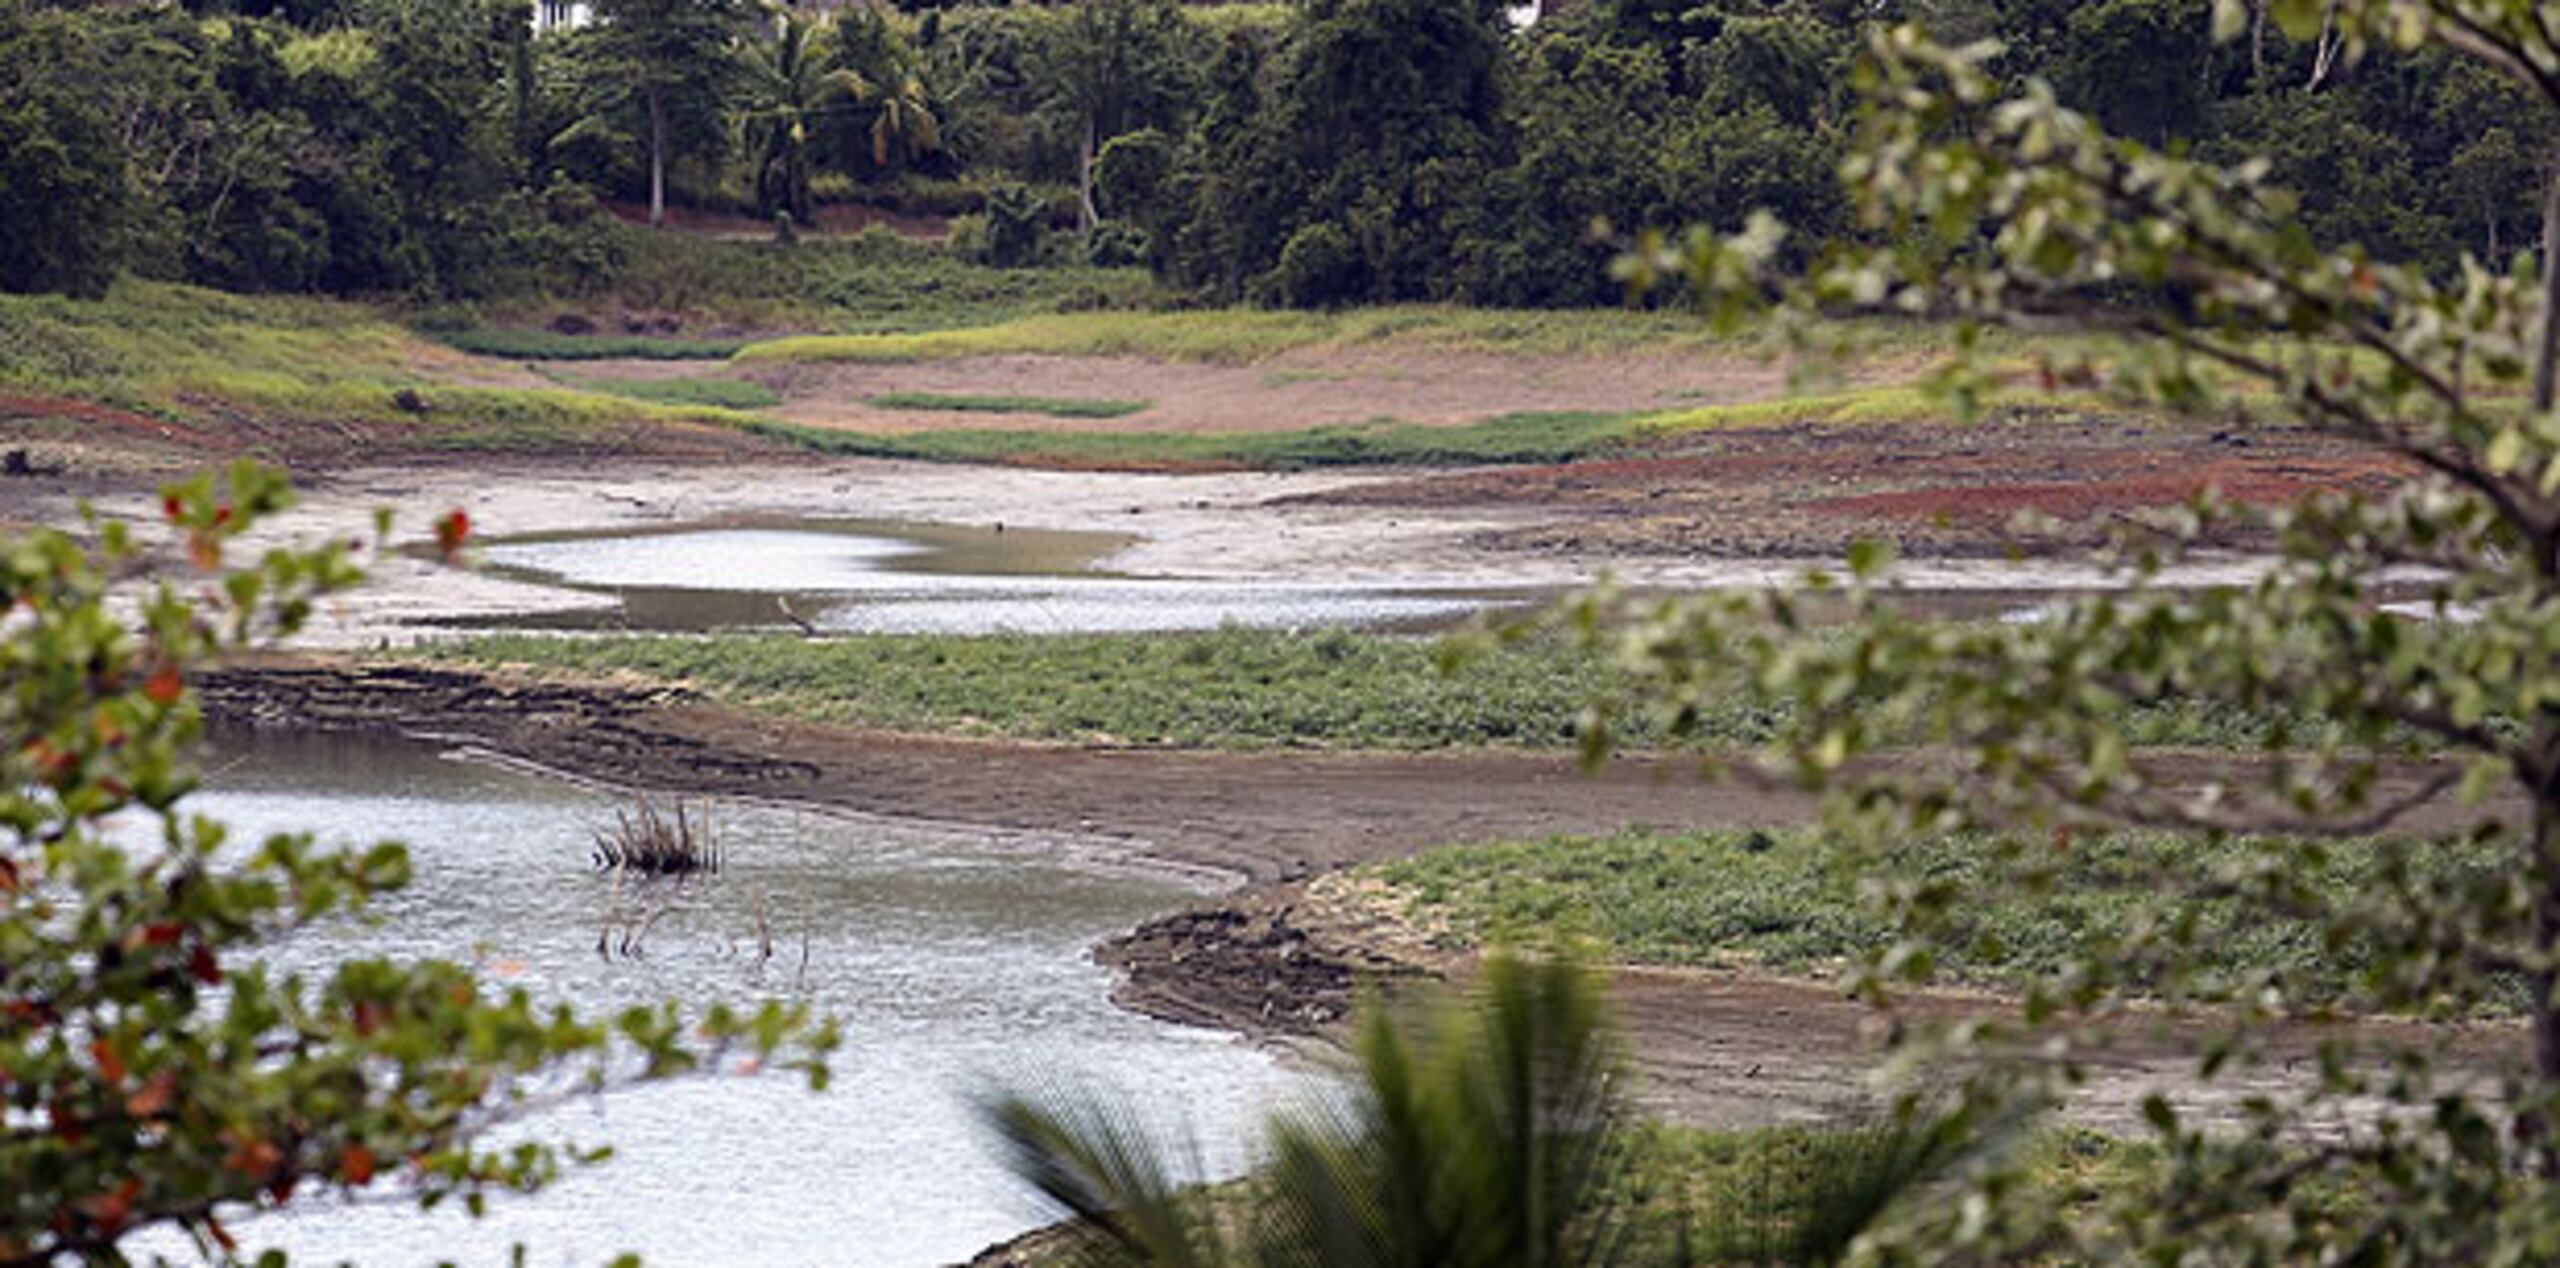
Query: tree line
[(1314, 153)]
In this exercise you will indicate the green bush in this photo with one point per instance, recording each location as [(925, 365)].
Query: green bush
[(1114, 245), (1017, 220), (1319, 268)]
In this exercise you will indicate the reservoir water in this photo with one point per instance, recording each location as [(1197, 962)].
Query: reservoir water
[(954, 960)]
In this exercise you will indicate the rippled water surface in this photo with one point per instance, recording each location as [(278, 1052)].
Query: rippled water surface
[(951, 958), (938, 579)]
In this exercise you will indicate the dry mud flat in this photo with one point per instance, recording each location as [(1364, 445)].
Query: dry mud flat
[(1754, 515), (1935, 490)]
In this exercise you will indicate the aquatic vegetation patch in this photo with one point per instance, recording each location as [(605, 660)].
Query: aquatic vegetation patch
[(678, 842)]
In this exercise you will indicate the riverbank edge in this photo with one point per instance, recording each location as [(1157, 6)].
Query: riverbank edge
[(1278, 958), (1263, 958), (1252, 959)]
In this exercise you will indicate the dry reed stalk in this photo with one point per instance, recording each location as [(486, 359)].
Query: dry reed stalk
[(682, 843)]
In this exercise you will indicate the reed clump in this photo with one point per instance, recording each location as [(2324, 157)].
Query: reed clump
[(678, 842)]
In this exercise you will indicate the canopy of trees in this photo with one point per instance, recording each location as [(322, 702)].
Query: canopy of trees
[(1334, 152)]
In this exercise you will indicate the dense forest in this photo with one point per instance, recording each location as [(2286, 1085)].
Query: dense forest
[(1315, 153)]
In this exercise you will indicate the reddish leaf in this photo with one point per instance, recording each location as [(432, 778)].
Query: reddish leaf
[(110, 1062), (173, 508), (252, 1155), (202, 964), (165, 686), (108, 1211), (355, 1167), (154, 1097), (452, 531), (163, 934)]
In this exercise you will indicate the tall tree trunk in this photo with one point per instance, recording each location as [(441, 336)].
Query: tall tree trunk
[(2258, 43), (657, 159), (2547, 350), (1085, 212)]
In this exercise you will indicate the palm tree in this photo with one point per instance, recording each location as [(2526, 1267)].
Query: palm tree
[(903, 125), (788, 83), (1488, 1134)]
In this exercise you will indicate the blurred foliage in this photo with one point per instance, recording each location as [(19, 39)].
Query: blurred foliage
[(157, 1074)]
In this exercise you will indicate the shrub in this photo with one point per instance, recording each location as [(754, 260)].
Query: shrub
[(1016, 220), (1113, 245), (1319, 268)]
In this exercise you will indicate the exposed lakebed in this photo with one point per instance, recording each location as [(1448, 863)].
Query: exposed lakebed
[(853, 577), (952, 958)]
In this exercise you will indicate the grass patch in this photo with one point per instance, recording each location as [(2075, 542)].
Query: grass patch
[(1871, 406), (1053, 406), (1791, 901), (1230, 688), (547, 345), (1511, 438), (1244, 336), (727, 394), (189, 354)]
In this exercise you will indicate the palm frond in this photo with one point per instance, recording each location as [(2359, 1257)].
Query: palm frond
[(1100, 1163)]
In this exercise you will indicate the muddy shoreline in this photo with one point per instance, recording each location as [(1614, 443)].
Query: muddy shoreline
[(1284, 954), (1255, 816)]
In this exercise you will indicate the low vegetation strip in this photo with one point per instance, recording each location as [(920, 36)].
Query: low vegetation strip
[(1796, 901), (1510, 438), (1053, 406), (1246, 336), (1225, 689), (1232, 688), (727, 394), (180, 352), (547, 345)]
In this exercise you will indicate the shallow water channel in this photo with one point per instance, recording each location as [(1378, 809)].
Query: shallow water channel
[(953, 958), (853, 577)]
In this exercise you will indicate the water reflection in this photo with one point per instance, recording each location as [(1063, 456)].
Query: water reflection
[(872, 578), (950, 957)]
